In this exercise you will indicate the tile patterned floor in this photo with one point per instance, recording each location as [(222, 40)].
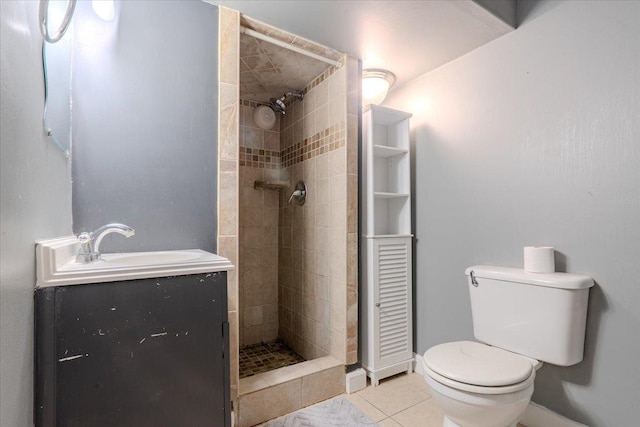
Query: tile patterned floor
[(400, 401), (264, 357)]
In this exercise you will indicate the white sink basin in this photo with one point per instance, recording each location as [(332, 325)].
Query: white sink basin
[(57, 266), (151, 258)]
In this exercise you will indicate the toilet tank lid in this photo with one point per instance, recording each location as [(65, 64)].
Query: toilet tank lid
[(518, 275)]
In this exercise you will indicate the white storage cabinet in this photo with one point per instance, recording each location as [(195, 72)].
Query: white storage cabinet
[(387, 249)]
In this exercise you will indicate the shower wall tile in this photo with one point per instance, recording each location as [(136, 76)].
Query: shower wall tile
[(229, 45), (228, 171), (314, 148), (228, 122), (352, 145), (259, 230)]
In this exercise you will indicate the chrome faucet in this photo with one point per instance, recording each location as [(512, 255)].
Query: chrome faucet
[(90, 248)]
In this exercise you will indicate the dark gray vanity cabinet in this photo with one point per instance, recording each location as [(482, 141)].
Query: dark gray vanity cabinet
[(148, 352)]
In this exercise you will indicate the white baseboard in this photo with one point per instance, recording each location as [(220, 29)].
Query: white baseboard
[(417, 364), (356, 380), (534, 416)]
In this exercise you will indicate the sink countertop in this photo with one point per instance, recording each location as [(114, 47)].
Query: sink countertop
[(56, 264)]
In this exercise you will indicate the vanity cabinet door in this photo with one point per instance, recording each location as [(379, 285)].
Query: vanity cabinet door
[(149, 352)]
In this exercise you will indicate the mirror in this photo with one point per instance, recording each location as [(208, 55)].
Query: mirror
[(55, 19), (133, 95)]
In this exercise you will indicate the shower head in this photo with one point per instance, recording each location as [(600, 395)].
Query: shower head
[(278, 104)]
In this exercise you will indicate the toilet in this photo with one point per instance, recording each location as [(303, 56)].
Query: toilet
[(520, 320)]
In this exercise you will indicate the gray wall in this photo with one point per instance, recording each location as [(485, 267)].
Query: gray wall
[(534, 139), (35, 202), (145, 124)]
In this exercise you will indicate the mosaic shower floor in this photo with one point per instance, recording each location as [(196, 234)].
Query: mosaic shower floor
[(264, 357)]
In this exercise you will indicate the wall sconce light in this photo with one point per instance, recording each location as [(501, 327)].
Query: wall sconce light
[(64, 24), (375, 85), (105, 9)]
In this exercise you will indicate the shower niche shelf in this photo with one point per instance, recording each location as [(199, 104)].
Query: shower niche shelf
[(387, 248)]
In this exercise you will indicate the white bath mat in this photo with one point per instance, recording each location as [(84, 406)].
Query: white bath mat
[(338, 412)]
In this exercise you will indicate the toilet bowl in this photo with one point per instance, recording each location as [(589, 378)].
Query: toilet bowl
[(477, 385), (521, 317)]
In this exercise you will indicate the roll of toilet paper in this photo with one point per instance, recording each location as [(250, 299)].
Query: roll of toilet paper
[(539, 259)]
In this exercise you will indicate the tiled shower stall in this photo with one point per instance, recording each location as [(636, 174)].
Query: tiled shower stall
[(296, 265)]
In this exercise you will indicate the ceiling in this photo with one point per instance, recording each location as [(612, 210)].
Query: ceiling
[(267, 70), (409, 38)]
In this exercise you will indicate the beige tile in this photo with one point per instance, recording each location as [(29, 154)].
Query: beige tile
[(352, 328), (308, 124), (337, 162), (232, 289), (323, 385), (228, 124), (352, 203), (322, 166), (367, 408), (424, 414), (229, 45), (338, 191), (326, 362), (252, 137), (337, 110), (338, 263), (270, 403), (277, 376), (417, 381), (337, 319), (352, 144), (338, 293), (338, 240), (272, 140), (322, 335), (393, 396), (253, 316), (309, 171), (337, 345), (228, 165), (309, 102), (234, 369), (388, 422), (322, 117), (246, 116), (338, 214), (322, 189)]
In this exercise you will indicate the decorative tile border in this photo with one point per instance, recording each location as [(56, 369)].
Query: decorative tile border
[(322, 142), (259, 158), (250, 103), (325, 141)]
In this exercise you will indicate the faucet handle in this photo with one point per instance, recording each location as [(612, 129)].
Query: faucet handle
[(84, 237)]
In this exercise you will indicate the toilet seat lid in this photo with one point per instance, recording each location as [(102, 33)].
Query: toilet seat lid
[(477, 364)]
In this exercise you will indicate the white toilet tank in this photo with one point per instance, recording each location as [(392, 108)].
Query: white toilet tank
[(539, 315)]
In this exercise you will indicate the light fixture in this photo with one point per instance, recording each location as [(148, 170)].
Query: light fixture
[(375, 85), (105, 9)]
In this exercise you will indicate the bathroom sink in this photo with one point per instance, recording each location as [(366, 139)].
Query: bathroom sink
[(151, 258), (57, 265)]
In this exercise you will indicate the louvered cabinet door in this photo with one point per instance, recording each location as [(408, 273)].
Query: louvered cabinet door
[(392, 300)]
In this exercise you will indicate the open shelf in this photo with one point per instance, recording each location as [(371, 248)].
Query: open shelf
[(386, 163), (386, 151)]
